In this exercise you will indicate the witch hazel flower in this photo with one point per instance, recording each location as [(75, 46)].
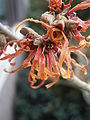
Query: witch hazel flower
[(48, 53)]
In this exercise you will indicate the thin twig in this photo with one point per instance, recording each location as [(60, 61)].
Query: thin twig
[(8, 32), (80, 84)]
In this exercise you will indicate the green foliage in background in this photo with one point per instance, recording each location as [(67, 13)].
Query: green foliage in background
[(37, 8), (56, 103)]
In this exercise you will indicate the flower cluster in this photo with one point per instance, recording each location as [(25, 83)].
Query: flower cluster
[(48, 53)]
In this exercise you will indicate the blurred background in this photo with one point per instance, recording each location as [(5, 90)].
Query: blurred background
[(17, 100)]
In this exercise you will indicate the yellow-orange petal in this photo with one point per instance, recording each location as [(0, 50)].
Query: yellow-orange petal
[(88, 38)]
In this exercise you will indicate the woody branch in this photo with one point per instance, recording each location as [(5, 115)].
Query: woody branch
[(7, 32)]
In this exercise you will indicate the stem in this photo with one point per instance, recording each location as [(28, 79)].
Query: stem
[(8, 32), (79, 83)]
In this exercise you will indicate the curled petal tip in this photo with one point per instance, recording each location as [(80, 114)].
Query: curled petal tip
[(88, 38), (85, 73), (82, 43)]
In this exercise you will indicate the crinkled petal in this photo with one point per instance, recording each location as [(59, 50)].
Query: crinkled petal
[(80, 6)]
